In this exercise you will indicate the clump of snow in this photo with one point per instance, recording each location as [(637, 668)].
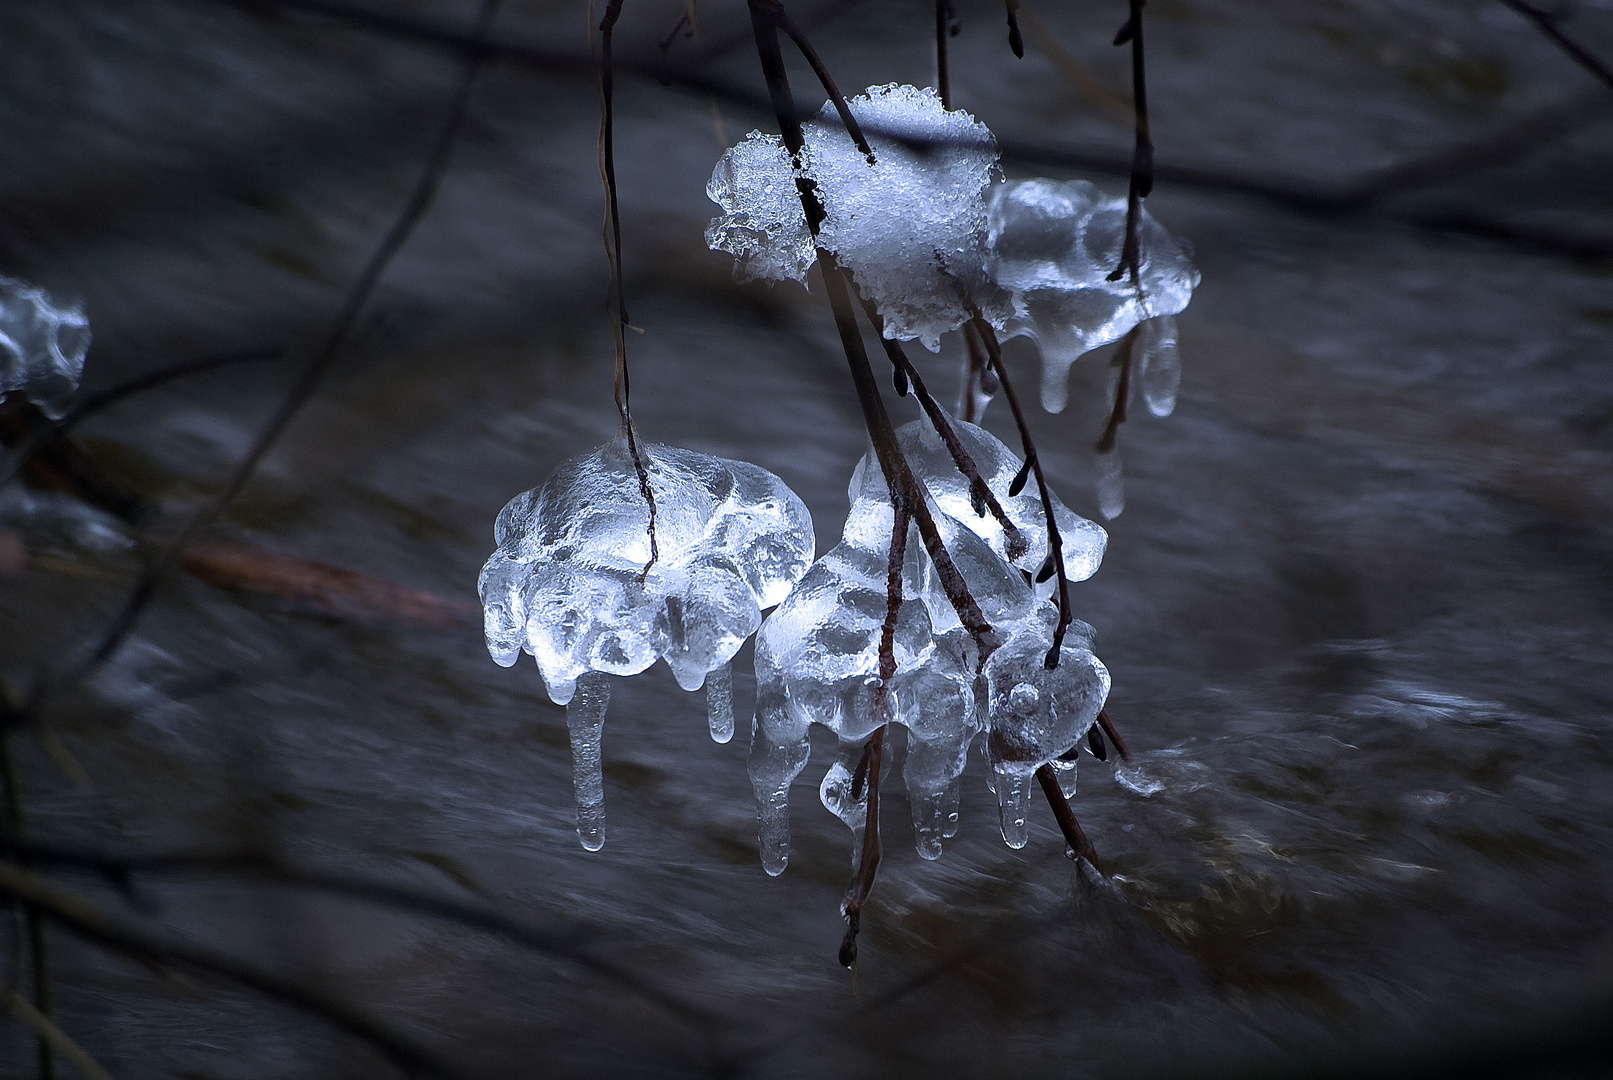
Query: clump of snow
[(568, 582), (817, 655), (911, 227), (42, 346), (1055, 243)]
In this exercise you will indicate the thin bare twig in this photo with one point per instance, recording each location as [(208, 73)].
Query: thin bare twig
[(1015, 41), (980, 492), (1142, 155), (1117, 413), (1080, 846), (1114, 736), (816, 63), (613, 256), (1055, 542)]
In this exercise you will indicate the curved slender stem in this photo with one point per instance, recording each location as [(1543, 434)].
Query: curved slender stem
[(1055, 542)]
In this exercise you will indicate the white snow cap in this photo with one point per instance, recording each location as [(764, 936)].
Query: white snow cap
[(42, 346), (911, 228)]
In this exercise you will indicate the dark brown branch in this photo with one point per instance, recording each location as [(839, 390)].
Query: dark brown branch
[(1142, 156), (1114, 736), (1015, 41), (1547, 23), (1080, 846), (862, 881), (89, 921), (829, 87), (943, 82), (980, 492), (1117, 413), (312, 375), (1055, 542)]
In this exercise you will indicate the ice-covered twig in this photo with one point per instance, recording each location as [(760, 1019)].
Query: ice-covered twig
[(875, 419), (980, 491), (1055, 544)]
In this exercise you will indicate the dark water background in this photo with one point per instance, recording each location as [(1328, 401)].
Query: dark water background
[(1358, 610)]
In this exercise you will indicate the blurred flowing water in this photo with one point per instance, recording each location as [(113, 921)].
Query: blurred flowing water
[(1358, 609)]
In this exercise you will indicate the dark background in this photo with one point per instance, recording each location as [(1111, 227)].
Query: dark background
[(1358, 609)]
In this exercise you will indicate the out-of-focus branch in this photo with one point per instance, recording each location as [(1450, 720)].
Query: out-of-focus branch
[(90, 921)]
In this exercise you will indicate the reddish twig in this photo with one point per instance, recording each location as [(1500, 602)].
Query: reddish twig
[(979, 491), (1142, 156), (1055, 542), (1117, 413), (1080, 846)]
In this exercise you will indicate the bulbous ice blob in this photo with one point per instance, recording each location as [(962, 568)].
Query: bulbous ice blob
[(1036, 712), (42, 346), (911, 227), (1055, 243), (568, 581), (572, 582)]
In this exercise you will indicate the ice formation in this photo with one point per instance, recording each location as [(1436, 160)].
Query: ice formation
[(42, 346), (568, 583), (911, 227), (1055, 243), (933, 239), (817, 655)]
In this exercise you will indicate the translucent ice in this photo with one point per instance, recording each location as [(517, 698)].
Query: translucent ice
[(1159, 365), (817, 656), (1082, 541), (1054, 244), (911, 227), (42, 346), (573, 584)]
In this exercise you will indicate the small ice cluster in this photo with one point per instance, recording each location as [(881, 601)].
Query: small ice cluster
[(934, 238), (569, 585), (1055, 244), (42, 346), (817, 656)]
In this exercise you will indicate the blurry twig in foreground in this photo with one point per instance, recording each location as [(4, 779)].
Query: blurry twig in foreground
[(54, 1036), (562, 942), (313, 372), (44, 430), (1548, 23), (89, 921)]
